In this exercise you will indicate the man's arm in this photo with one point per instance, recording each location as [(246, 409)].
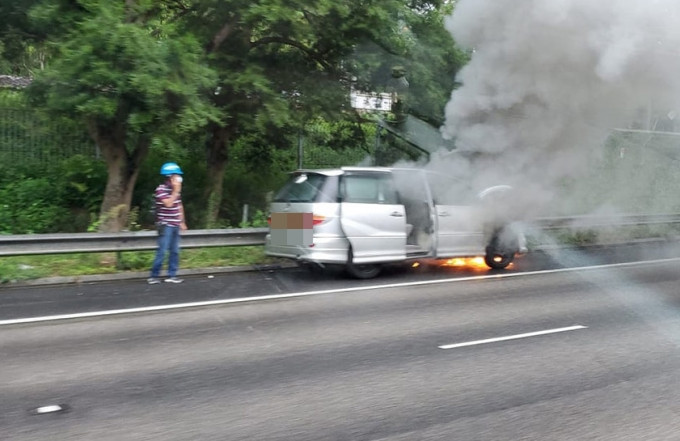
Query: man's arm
[(174, 195), (183, 222)]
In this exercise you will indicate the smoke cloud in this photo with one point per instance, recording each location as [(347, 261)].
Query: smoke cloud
[(549, 80)]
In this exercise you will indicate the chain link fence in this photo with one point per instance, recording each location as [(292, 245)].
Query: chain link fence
[(26, 136)]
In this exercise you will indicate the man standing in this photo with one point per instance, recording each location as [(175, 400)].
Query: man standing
[(170, 221)]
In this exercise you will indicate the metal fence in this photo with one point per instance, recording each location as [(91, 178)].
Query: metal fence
[(28, 137), (27, 244)]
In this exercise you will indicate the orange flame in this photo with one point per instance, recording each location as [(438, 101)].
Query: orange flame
[(464, 263), (460, 262), (470, 263)]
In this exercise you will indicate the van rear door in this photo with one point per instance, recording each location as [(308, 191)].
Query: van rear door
[(371, 216)]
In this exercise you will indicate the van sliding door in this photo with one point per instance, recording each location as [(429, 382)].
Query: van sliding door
[(459, 221), (371, 217), (459, 231)]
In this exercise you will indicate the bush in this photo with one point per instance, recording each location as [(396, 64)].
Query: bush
[(30, 206), (60, 198)]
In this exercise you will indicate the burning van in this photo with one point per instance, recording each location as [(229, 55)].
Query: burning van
[(362, 218)]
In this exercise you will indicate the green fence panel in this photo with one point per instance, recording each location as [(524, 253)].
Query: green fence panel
[(28, 137)]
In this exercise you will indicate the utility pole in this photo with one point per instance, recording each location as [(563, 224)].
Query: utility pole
[(300, 149)]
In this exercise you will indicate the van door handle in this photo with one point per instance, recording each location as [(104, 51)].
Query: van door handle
[(396, 214), (444, 214)]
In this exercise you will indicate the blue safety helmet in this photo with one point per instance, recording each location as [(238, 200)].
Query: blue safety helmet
[(170, 168)]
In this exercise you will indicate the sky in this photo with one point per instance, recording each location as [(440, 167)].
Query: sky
[(549, 80)]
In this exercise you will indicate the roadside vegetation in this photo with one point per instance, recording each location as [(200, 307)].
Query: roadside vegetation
[(22, 268), (238, 93)]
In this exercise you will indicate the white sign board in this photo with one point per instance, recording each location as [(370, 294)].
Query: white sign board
[(371, 101)]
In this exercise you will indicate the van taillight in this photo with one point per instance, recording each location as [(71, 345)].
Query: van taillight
[(316, 219)]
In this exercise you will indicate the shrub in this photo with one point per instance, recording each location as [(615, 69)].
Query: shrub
[(29, 206)]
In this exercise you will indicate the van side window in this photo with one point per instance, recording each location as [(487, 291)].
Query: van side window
[(369, 189), (447, 190), (308, 187)]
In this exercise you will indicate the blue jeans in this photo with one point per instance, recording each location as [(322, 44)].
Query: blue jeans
[(168, 241)]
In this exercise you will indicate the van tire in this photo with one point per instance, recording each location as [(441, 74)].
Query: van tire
[(362, 270), (499, 256), (496, 260)]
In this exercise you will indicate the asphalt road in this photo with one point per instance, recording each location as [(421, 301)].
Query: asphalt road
[(28, 301), (539, 352)]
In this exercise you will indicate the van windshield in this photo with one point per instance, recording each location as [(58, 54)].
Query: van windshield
[(308, 187)]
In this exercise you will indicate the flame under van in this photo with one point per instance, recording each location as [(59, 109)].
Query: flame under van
[(365, 217)]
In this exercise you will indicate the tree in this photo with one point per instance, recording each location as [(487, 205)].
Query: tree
[(281, 62), (22, 50), (135, 71), (429, 60), (128, 74)]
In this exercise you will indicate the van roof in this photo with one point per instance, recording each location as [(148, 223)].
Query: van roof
[(321, 171), (339, 171), (379, 169)]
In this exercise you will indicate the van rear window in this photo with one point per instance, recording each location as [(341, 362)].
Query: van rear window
[(308, 187)]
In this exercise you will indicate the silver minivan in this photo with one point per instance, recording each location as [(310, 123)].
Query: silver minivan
[(365, 217)]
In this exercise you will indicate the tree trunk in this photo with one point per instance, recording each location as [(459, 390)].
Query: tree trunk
[(218, 147), (123, 169)]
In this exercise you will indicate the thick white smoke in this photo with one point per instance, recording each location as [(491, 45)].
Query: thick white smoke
[(549, 79)]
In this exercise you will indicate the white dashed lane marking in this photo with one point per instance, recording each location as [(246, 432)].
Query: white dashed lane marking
[(512, 337)]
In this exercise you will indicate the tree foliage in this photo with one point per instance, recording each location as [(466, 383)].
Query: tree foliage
[(429, 60), (231, 83), (22, 48), (282, 63), (127, 75)]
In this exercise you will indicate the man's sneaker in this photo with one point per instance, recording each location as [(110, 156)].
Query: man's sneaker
[(174, 280), (153, 280)]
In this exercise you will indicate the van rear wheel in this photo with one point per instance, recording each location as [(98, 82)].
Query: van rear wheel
[(361, 270)]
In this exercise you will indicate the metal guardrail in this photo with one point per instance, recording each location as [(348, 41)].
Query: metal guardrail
[(26, 244), (603, 221)]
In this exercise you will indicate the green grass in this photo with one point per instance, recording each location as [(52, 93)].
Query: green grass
[(35, 267)]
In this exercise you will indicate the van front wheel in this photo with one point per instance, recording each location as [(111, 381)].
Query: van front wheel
[(498, 260), (501, 249)]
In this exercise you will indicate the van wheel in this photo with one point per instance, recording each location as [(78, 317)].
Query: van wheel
[(362, 270), (498, 260), (498, 256)]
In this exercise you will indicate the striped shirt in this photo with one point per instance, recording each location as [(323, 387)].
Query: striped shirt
[(171, 216)]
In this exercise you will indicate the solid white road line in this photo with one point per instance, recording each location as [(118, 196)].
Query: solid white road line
[(512, 337), (177, 306)]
